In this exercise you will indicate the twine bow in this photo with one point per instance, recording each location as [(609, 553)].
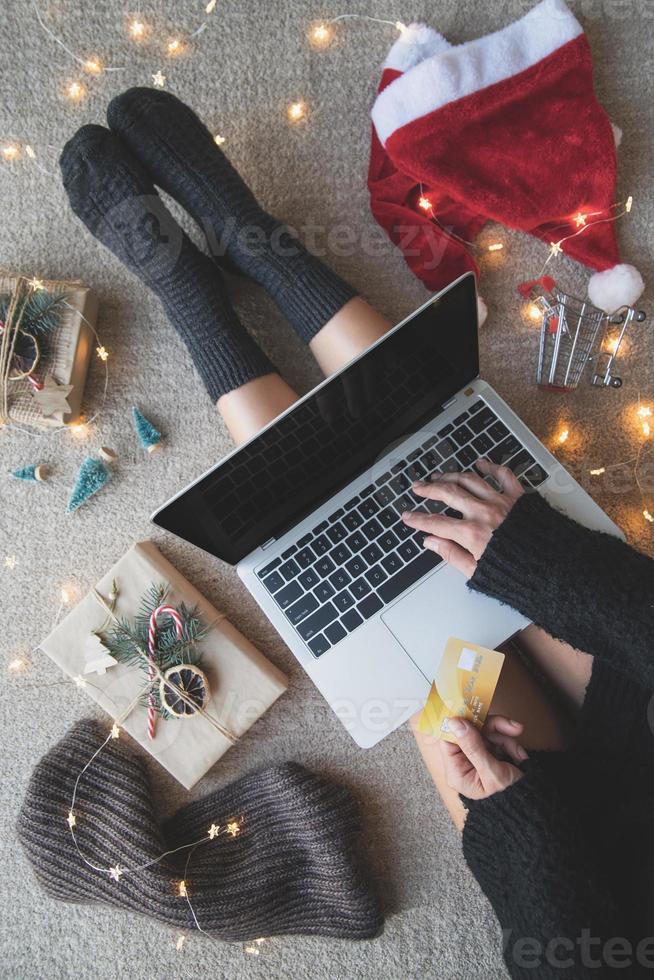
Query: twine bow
[(156, 676)]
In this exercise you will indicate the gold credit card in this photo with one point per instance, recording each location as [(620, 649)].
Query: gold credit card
[(464, 686)]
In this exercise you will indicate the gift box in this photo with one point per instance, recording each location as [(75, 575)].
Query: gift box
[(65, 356), (242, 683)]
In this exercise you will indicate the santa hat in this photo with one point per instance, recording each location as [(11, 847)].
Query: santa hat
[(507, 128)]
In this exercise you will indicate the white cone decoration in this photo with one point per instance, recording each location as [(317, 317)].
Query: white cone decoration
[(98, 658), (620, 286)]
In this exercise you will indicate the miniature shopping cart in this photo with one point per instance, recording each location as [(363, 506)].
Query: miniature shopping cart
[(577, 336)]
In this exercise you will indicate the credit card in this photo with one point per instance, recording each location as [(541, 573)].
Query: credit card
[(464, 686)]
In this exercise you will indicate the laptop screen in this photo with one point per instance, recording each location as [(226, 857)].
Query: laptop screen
[(332, 434)]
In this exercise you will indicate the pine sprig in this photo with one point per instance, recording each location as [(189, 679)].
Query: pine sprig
[(41, 311), (128, 641)]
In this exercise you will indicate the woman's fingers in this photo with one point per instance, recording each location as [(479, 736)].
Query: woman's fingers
[(469, 481), (449, 493), (510, 746), (439, 526), (453, 554), (506, 480), (500, 723)]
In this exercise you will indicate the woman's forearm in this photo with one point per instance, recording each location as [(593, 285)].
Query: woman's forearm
[(584, 587)]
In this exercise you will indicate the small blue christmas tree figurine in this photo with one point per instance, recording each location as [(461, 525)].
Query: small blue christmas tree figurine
[(32, 474), (93, 475), (149, 437)]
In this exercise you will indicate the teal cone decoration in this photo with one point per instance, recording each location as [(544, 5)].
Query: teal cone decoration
[(92, 476), (31, 474), (149, 437)]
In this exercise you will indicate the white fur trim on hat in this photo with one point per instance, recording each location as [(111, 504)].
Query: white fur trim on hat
[(617, 135), (617, 287), (455, 72), (415, 43)]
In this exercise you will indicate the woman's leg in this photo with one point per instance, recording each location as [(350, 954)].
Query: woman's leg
[(568, 670), (250, 407)]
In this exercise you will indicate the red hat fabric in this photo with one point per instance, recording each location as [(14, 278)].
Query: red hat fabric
[(506, 127)]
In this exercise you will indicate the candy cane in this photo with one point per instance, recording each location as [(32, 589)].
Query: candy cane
[(152, 640)]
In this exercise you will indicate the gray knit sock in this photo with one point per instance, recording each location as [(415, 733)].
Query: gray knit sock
[(115, 198), (183, 159), (291, 868)]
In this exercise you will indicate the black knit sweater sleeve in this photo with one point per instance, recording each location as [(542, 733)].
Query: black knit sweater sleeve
[(584, 587), (531, 856)]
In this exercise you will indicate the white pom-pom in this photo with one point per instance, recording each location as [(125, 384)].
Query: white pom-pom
[(617, 135), (482, 311), (616, 287)]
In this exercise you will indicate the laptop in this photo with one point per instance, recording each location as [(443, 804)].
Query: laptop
[(309, 512)]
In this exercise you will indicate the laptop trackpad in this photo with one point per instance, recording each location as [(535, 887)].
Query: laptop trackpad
[(442, 606)]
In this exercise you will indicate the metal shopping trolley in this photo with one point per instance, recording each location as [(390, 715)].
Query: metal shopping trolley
[(575, 336)]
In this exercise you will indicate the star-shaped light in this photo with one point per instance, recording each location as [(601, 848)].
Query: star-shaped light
[(233, 828), (424, 203), (210, 7), (71, 819), (79, 681), (36, 284), (182, 890), (218, 139), (555, 248), (158, 79), (116, 872), (181, 939), (102, 353), (214, 830), (115, 731), (10, 561), (580, 219), (648, 517)]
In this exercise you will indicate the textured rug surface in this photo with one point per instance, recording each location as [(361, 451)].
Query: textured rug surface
[(242, 72)]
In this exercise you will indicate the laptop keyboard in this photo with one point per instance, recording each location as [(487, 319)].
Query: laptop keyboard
[(363, 556)]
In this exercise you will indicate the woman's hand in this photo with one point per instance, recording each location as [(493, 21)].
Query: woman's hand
[(471, 768), (462, 541)]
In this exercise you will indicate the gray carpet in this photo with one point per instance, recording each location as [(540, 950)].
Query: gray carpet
[(243, 71)]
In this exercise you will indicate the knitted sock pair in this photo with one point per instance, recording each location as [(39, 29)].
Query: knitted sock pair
[(110, 176)]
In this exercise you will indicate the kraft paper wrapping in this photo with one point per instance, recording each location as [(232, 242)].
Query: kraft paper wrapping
[(66, 355), (242, 682)]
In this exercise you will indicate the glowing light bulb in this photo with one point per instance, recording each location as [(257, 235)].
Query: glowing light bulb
[(321, 35), (648, 517), (218, 139), (181, 939), (71, 819), (213, 831), (598, 471), (102, 353), (182, 890), (233, 828), (296, 111), (66, 595), (563, 436), (10, 561), (533, 311), (210, 7), (612, 345), (93, 65), (399, 26), (17, 665), (175, 46), (496, 247), (10, 152), (80, 682), (644, 412), (580, 219), (79, 430), (137, 29), (555, 248), (75, 91), (115, 731), (647, 429), (629, 204), (424, 203), (31, 153)]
